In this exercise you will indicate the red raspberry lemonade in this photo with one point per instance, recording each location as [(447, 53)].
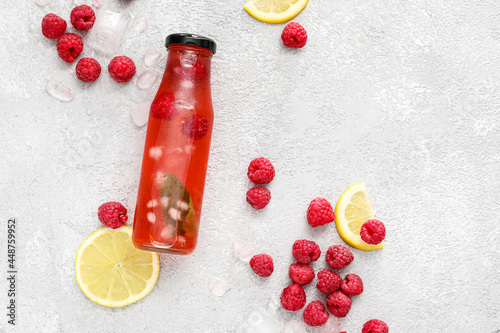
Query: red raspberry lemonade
[(169, 201)]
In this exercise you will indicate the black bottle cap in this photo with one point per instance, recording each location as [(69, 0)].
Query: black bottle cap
[(191, 39)]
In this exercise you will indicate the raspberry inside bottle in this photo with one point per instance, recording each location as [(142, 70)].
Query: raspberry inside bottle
[(168, 210)]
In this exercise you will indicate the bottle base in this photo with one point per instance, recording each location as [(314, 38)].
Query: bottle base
[(164, 250)]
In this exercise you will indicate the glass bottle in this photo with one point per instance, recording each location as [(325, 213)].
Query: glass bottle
[(174, 165)]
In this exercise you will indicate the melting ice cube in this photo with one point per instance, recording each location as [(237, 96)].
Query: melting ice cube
[(139, 25), (59, 89), (147, 79), (218, 286), (243, 250), (140, 114), (155, 153), (188, 58), (331, 326), (109, 29), (263, 322), (295, 326), (151, 56)]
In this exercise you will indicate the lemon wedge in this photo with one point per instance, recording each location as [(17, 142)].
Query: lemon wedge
[(353, 209), (111, 271), (275, 11)]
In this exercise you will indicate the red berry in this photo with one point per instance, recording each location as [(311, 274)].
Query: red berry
[(260, 171), (305, 251), (294, 35), (315, 314), (372, 232), (83, 17), (338, 304), (88, 69), (53, 26), (339, 256), (300, 273), (195, 126), (258, 197), (375, 326), (328, 281), (121, 68), (112, 214), (69, 46), (343, 332), (320, 212), (293, 297), (262, 265), (352, 285), (163, 107)]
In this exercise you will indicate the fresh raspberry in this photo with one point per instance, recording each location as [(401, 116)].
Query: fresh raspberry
[(112, 214), (121, 68), (338, 304), (300, 273), (339, 256), (69, 46), (258, 197), (294, 35), (83, 17), (320, 212), (305, 251), (262, 265), (372, 232), (260, 171), (163, 107), (375, 326), (196, 126), (293, 297), (328, 281), (53, 26), (352, 285), (315, 314), (88, 69), (343, 332)]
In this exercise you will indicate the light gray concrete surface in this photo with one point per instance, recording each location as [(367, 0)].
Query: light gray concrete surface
[(401, 94)]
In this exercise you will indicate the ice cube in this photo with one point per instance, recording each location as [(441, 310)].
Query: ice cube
[(151, 217), (295, 326), (152, 203), (147, 79), (155, 153), (59, 89), (272, 306), (186, 84), (332, 326), (188, 58), (243, 250), (151, 56), (263, 322), (139, 25), (140, 114), (108, 32), (42, 3), (219, 286)]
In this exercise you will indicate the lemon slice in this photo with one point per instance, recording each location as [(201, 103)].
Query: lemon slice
[(353, 209), (275, 11), (111, 271)]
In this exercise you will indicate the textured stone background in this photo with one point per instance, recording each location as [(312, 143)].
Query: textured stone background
[(402, 94)]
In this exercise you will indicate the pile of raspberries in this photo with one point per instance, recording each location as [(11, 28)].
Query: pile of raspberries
[(70, 45), (339, 291)]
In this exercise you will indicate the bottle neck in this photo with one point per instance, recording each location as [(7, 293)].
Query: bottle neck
[(189, 65)]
